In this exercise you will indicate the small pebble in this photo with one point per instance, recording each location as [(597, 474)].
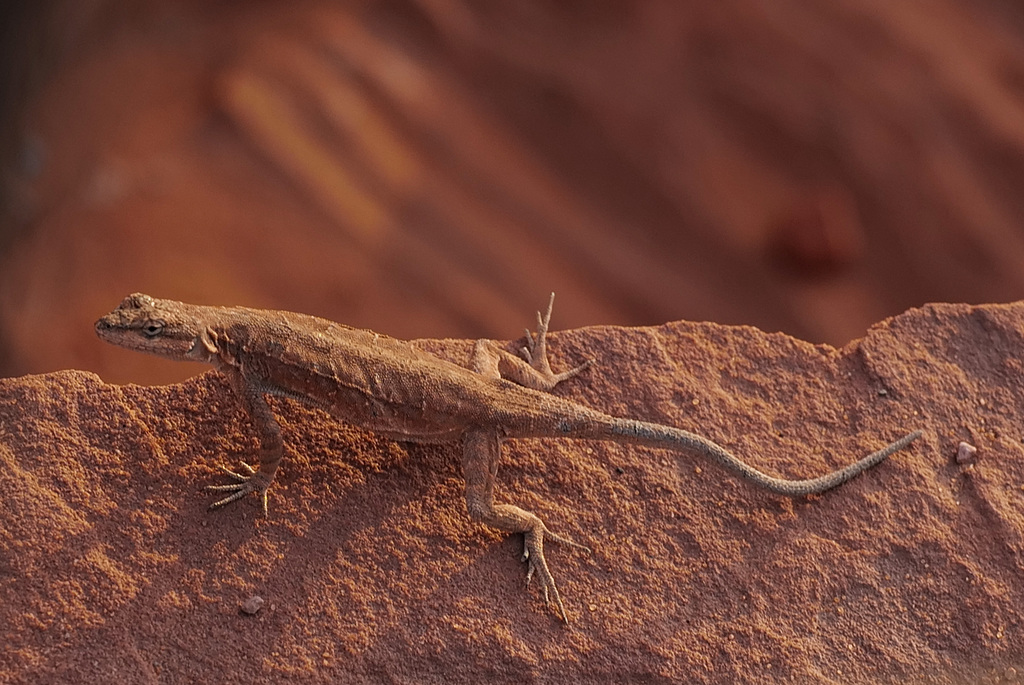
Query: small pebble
[(251, 605), (966, 453)]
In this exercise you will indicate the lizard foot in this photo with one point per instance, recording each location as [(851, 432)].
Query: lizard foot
[(533, 555), (250, 481), (536, 349)]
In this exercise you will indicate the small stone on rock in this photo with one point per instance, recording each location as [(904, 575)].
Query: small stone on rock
[(966, 453), (251, 605)]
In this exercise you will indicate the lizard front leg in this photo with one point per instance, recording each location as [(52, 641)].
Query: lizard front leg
[(480, 465), (271, 444)]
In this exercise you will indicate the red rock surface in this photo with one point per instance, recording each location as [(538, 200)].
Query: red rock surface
[(114, 571)]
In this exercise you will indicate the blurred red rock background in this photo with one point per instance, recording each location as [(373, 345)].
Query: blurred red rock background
[(433, 168)]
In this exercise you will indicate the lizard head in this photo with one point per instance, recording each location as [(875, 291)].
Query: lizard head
[(162, 327)]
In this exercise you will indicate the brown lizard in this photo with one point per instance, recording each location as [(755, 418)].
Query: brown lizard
[(391, 387)]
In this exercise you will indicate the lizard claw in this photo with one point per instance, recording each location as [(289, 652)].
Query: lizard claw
[(533, 556), (535, 351), (249, 473), (559, 377), (248, 482)]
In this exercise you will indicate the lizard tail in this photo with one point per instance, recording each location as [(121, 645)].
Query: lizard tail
[(656, 435)]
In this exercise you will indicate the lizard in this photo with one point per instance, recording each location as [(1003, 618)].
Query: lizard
[(395, 389)]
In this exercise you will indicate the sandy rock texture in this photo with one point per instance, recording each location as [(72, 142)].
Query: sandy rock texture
[(369, 570)]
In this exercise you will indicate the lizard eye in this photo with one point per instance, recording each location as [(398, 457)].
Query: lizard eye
[(153, 329)]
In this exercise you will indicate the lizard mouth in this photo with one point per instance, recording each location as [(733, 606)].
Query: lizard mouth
[(106, 329)]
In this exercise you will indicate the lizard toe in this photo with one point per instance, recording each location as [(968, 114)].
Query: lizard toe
[(536, 565), (239, 491), (564, 540), (251, 481), (240, 477)]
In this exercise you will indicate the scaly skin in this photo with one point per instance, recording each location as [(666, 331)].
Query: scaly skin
[(389, 386)]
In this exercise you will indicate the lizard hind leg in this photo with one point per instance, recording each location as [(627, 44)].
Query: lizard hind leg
[(480, 460), (536, 350), (532, 368)]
